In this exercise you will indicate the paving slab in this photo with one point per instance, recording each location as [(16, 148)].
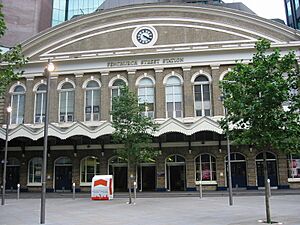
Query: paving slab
[(247, 210)]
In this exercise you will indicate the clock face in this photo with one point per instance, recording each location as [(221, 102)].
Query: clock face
[(144, 36)]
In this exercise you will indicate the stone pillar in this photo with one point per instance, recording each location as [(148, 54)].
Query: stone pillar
[(50, 173), (282, 170), (54, 98), (220, 170), (105, 97), (79, 98), (76, 172), (190, 173), (23, 173), (188, 100), (29, 100), (251, 171), (159, 94), (131, 80), (217, 109), (160, 173)]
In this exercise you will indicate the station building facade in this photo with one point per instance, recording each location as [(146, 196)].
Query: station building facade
[(174, 57)]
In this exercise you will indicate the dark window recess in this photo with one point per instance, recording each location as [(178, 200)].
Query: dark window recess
[(175, 137)]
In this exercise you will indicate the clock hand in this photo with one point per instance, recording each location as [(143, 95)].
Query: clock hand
[(146, 37)]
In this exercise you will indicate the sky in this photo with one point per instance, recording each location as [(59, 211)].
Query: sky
[(269, 9)]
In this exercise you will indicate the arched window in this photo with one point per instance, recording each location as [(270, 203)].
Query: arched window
[(174, 97), (66, 109), (18, 105), (35, 170), (202, 96), (92, 101), (89, 167), (146, 96), (205, 167), (116, 88), (40, 101)]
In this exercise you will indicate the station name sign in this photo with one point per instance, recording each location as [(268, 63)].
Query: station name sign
[(145, 62)]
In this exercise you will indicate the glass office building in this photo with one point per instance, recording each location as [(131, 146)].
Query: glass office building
[(65, 9), (292, 8)]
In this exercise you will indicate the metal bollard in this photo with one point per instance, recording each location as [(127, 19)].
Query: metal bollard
[(269, 187), (200, 189), (73, 185), (18, 191), (134, 191)]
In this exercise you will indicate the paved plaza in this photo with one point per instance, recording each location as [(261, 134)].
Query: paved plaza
[(247, 210)]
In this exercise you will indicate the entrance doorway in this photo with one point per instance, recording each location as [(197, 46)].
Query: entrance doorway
[(147, 177), (176, 173), (12, 174), (271, 167), (238, 170), (118, 168), (63, 174)]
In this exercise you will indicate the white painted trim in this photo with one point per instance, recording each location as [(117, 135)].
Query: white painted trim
[(145, 22), (223, 74), (35, 87), (145, 75), (92, 78), (138, 29), (112, 80), (200, 72), (66, 80), (170, 75), (12, 88)]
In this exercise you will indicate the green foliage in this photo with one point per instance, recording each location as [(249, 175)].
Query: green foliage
[(254, 96), (132, 128), (11, 61)]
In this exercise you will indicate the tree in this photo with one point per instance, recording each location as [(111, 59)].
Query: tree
[(11, 61), (132, 129), (263, 103)]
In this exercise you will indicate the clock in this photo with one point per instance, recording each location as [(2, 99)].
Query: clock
[(144, 36)]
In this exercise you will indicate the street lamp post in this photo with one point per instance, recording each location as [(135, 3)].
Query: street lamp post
[(228, 151), (229, 165), (8, 111), (47, 72)]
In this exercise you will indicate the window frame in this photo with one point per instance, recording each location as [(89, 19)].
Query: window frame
[(211, 181), (166, 79), (33, 181), (43, 103), (146, 88), (93, 90), (201, 84), (85, 182), (18, 94), (67, 91)]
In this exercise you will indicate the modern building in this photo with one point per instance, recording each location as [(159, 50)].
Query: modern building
[(173, 56), (292, 13)]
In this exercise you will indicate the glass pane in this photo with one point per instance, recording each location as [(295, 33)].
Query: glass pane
[(92, 84), (67, 85), (206, 94), (63, 102), (201, 78), (173, 81), (205, 158), (42, 87), (146, 82), (19, 89)]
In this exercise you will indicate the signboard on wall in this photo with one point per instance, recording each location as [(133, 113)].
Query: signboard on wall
[(102, 188), (295, 168)]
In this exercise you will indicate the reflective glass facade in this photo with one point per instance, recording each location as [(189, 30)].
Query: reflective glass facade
[(292, 8), (65, 9)]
